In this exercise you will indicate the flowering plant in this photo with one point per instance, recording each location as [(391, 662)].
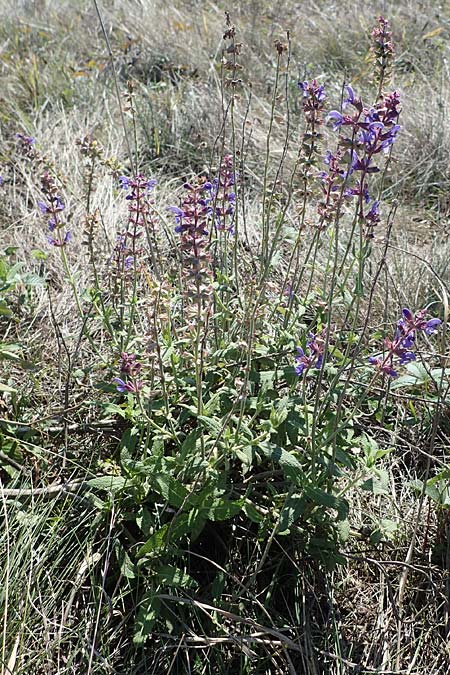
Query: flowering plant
[(400, 348)]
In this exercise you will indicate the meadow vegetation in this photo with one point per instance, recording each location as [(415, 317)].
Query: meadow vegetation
[(224, 360)]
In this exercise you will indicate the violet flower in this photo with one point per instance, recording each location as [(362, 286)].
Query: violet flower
[(130, 368), (312, 357), (60, 242), (128, 387)]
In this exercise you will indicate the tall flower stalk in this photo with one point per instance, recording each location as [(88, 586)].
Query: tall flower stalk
[(313, 104), (382, 53), (191, 219), (52, 206), (127, 258)]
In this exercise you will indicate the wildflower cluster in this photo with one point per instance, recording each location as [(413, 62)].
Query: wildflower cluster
[(371, 132), (332, 187), (93, 151), (26, 145), (191, 220), (229, 54), (223, 196), (313, 101), (312, 357), (52, 205), (127, 249), (130, 369), (383, 50), (400, 347), (313, 106)]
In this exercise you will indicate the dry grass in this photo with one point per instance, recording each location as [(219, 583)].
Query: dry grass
[(56, 84)]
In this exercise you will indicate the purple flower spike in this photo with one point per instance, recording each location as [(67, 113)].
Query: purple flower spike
[(320, 94), (313, 101)]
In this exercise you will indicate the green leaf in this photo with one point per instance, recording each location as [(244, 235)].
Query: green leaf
[(5, 310), (418, 375), (127, 568), (144, 520), (37, 254), (147, 614), (292, 510), (113, 408), (223, 509), (288, 462), (246, 455), (252, 512), (279, 412), (108, 483), (378, 484), (442, 475), (173, 576), (328, 500), (212, 404), (169, 488), (155, 542), (130, 439), (10, 250), (32, 279), (189, 444), (343, 529), (10, 351), (431, 490), (385, 531), (211, 423), (263, 377), (180, 526)]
